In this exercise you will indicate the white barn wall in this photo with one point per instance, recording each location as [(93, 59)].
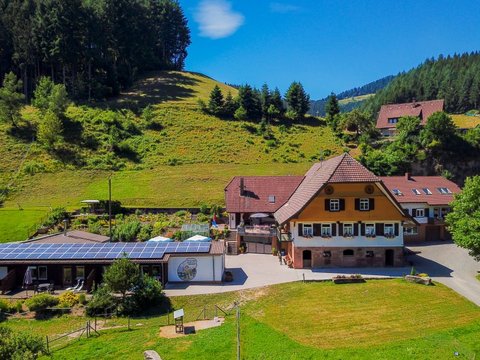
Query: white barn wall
[(208, 268)]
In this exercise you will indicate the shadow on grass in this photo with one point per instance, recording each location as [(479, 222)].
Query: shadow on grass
[(24, 131)]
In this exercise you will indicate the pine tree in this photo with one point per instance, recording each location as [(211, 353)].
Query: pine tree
[(277, 101), (229, 105), (298, 100), (11, 99), (266, 100), (249, 100), (216, 101), (331, 107)]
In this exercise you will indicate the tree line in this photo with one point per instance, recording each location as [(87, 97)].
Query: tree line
[(254, 104), (94, 48), (453, 78)]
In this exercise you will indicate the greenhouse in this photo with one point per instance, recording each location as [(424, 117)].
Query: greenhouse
[(189, 230)]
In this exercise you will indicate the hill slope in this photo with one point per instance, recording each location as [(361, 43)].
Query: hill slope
[(179, 157), (353, 98)]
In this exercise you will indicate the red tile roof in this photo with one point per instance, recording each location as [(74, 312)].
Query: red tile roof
[(432, 183), (257, 191), (422, 109), (340, 169)]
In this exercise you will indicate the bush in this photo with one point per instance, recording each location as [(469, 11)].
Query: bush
[(56, 216), (204, 209), (101, 302), (68, 299), (40, 302), (145, 232), (4, 306), (126, 231), (146, 294), (20, 345), (82, 299)]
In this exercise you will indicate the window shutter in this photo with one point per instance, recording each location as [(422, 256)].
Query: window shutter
[(342, 204), (327, 204), (340, 229), (397, 228), (317, 230), (372, 204), (357, 204), (414, 212), (334, 229), (362, 226), (355, 229), (300, 229), (379, 230)]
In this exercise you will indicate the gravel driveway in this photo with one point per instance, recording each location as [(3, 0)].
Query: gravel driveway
[(450, 265)]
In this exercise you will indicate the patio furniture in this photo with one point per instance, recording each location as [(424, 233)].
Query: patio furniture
[(79, 287), (44, 287)]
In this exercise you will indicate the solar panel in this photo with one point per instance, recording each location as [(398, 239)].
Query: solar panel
[(107, 251)]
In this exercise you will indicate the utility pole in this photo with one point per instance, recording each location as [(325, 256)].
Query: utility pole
[(110, 206), (238, 331)]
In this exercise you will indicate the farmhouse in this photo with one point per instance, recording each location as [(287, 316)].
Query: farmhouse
[(390, 114), (426, 199), (61, 262)]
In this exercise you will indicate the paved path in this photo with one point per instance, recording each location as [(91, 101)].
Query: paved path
[(450, 265), (255, 270)]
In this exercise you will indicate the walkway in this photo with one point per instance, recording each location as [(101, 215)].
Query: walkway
[(450, 265), (255, 270)]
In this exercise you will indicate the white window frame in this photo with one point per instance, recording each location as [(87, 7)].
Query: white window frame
[(364, 205), (410, 230), (420, 211), (351, 233), (327, 228), (391, 230), (307, 233), (372, 233), (271, 199), (334, 204)]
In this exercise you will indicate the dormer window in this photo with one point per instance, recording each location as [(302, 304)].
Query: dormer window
[(271, 199), (416, 191), (427, 191), (397, 192), (393, 120)]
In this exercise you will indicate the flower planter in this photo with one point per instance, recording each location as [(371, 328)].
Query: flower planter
[(347, 280), (418, 279)]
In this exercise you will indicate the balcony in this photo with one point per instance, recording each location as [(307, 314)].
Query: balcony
[(257, 230)]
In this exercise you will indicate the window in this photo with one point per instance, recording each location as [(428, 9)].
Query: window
[(420, 213), (327, 254), (271, 199), (416, 191), (444, 190), (369, 230), (397, 192), (389, 230), (38, 272), (348, 252), (326, 230), (413, 230), (81, 272), (347, 230), (334, 205), (307, 230), (427, 191), (369, 254), (145, 269), (393, 120), (364, 204)]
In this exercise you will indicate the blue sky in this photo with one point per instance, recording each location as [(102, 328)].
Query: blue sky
[(327, 45)]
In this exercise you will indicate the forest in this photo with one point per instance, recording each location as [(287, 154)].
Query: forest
[(453, 78), (94, 48)]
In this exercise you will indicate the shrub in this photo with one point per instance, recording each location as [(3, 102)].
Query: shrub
[(33, 167), (126, 231), (413, 272), (68, 299), (40, 302), (202, 217), (55, 216), (147, 293), (82, 299), (181, 213), (20, 345), (101, 302), (145, 232), (4, 306), (204, 209)]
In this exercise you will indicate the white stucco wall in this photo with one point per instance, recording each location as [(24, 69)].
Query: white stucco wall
[(340, 241), (201, 268)]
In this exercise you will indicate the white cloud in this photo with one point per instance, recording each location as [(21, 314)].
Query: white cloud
[(217, 19), (283, 8)]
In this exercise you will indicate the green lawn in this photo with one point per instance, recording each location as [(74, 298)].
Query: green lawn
[(15, 224), (383, 319)]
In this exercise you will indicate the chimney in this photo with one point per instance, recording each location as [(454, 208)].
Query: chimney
[(242, 186), (65, 222), (414, 102), (407, 176)]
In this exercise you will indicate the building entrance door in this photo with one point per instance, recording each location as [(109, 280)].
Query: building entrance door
[(307, 259), (389, 257)]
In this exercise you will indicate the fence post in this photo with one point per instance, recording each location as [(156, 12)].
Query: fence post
[(129, 323), (204, 312), (48, 346)]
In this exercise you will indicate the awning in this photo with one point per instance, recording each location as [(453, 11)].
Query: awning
[(259, 215), (199, 238)]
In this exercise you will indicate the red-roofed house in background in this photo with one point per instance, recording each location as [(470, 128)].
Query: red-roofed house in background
[(389, 114), (426, 199)]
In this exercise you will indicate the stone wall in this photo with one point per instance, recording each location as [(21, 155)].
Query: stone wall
[(337, 259)]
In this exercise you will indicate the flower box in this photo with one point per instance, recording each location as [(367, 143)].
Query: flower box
[(352, 279)]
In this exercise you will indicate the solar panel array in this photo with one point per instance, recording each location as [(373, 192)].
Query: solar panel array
[(105, 251)]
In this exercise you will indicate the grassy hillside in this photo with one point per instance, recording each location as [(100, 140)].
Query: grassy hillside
[(178, 157)]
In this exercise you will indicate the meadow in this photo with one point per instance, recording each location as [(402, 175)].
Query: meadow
[(382, 319)]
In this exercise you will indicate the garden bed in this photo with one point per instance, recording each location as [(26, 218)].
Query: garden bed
[(351, 279)]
